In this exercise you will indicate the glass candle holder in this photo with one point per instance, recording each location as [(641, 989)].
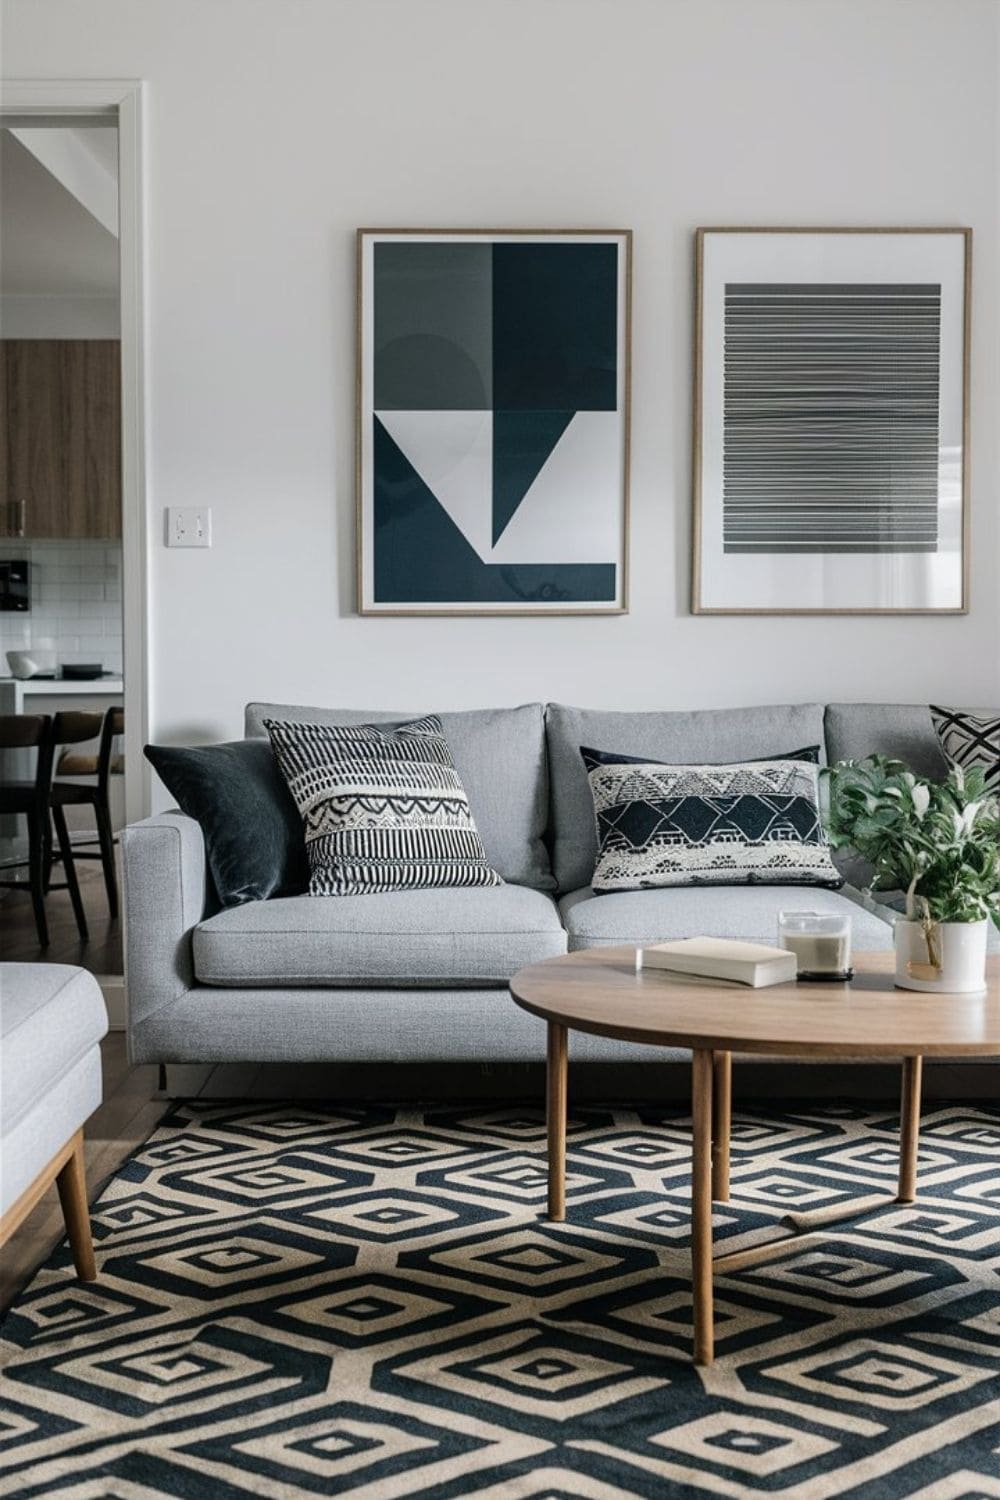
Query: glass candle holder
[(821, 943)]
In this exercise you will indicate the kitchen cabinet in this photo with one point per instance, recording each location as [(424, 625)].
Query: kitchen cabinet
[(60, 438)]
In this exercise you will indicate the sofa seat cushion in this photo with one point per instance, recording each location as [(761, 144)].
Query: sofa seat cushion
[(747, 912), (51, 1016), (422, 937)]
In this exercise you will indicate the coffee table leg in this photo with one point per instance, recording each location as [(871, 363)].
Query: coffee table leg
[(558, 1066), (722, 1107), (701, 1206), (909, 1128)]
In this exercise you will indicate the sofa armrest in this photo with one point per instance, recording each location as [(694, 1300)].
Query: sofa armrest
[(164, 890)]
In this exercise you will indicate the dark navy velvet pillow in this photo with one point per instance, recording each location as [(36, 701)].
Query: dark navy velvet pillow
[(254, 841)]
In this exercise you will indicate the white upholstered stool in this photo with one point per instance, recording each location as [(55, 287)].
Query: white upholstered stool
[(52, 1019)]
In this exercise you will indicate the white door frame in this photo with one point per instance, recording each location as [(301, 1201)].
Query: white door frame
[(119, 99)]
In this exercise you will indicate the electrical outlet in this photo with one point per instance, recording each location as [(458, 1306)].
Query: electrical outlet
[(187, 527)]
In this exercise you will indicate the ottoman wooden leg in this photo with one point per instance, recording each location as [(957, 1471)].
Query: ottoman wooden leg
[(72, 1184)]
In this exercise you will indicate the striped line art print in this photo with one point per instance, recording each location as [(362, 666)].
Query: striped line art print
[(831, 426), (831, 396)]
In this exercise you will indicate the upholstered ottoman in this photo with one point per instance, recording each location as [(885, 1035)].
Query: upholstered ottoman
[(52, 1019)]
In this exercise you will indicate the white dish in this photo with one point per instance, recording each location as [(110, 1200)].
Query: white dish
[(24, 664)]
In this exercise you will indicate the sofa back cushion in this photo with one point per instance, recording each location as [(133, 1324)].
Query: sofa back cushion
[(499, 755), (703, 736), (903, 731)]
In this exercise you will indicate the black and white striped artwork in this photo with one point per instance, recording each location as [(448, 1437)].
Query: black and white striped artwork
[(831, 407), (830, 400)]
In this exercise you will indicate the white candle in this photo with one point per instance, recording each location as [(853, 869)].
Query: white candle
[(817, 952)]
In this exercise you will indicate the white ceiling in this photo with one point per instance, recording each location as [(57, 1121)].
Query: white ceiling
[(49, 244)]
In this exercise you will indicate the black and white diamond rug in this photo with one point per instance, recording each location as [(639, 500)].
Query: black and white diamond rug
[(299, 1302)]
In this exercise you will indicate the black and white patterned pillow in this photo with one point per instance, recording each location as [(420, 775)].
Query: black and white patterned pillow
[(382, 805), (751, 823), (970, 742)]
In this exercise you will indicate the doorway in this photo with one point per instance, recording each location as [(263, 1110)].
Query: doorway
[(72, 518)]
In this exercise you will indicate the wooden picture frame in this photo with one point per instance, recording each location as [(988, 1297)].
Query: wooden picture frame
[(831, 421), (493, 401)]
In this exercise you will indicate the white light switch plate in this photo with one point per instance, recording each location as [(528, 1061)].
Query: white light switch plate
[(187, 527)]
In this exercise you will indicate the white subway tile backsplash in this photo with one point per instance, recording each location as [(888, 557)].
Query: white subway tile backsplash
[(75, 602)]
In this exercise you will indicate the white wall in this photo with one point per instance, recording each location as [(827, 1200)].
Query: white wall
[(43, 317), (274, 129)]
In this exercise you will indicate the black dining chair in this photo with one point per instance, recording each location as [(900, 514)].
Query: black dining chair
[(32, 800), (67, 791)]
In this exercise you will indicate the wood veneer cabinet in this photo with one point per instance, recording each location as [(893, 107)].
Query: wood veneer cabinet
[(60, 442)]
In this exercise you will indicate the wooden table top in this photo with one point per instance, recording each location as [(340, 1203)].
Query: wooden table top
[(599, 991)]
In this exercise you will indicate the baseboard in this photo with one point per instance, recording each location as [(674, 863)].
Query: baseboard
[(643, 1084), (113, 990)]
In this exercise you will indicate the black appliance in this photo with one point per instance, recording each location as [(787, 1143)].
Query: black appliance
[(15, 585)]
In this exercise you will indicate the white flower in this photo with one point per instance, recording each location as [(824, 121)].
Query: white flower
[(921, 800), (969, 816)]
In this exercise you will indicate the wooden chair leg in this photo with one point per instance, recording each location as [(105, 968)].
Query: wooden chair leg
[(106, 839), (72, 1185), (47, 855), (36, 876), (72, 884)]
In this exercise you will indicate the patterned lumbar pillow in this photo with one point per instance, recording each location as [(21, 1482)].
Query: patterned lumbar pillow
[(382, 806), (970, 742), (755, 822)]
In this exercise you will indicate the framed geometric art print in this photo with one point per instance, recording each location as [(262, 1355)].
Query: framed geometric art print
[(493, 419), (831, 421)]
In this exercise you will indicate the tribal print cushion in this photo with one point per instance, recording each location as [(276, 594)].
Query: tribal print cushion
[(752, 823), (970, 742), (382, 805)]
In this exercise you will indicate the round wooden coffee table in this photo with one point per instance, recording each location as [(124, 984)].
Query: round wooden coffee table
[(599, 991)]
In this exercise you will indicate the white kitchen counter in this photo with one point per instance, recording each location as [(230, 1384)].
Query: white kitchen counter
[(18, 695)]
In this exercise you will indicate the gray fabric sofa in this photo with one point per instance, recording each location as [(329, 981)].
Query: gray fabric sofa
[(422, 976)]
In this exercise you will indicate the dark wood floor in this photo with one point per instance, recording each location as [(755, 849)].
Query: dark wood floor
[(19, 940)]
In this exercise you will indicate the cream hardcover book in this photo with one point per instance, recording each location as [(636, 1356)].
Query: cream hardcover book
[(720, 958)]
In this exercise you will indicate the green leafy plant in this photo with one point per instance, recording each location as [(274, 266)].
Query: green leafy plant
[(937, 841)]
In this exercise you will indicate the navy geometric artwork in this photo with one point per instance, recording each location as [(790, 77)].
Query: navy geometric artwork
[(411, 523), (522, 441), (493, 422)]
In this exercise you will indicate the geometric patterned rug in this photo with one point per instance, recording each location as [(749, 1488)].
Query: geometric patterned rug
[(299, 1302)]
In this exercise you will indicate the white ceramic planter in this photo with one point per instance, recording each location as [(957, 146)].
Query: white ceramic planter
[(962, 954)]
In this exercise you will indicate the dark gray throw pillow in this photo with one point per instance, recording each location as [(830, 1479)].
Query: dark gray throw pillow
[(254, 842), (754, 822)]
